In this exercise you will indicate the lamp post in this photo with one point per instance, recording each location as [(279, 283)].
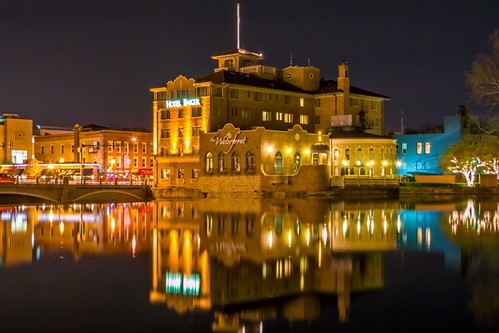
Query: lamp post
[(61, 160)]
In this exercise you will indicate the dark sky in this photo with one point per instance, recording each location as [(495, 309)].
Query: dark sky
[(93, 61)]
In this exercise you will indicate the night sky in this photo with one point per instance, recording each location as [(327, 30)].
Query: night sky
[(93, 61)]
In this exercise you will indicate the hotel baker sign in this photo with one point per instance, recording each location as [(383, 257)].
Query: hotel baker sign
[(229, 140)]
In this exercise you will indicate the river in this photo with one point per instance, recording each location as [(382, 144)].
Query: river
[(251, 265)]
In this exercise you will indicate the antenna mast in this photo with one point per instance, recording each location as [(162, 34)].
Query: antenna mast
[(238, 22)]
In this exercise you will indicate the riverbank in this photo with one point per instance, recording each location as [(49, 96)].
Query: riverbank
[(368, 192)]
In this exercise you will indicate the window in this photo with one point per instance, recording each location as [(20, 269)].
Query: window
[(201, 91), (42, 149), (317, 102), (196, 112), (404, 148), (62, 149), (266, 116), (354, 101), (195, 173), (234, 111), (278, 165), (180, 132), (317, 120), (296, 162), (216, 91), (374, 105), (302, 101), (250, 162), (135, 148), (118, 147), (336, 154), (427, 148), (160, 95), (181, 113), (144, 148), (144, 162), (165, 173), (382, 154), (165, 114), (221, 163), (303, 119), (72, 148), (135, 162), (234, 93), (257, 96), (196, 131), (288, 117), (419, 148), (110, 146), (51, 149), (208, 165), (125, 148), (245, 114), (347, 154), (180, 173), (315, 158), (359, 154), (371, 154), (236, 166), (163, 153), (278, 116), (165, 133), (288, 99)]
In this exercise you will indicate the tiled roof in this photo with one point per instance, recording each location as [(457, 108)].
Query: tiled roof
[(330, 86), (248, 80)]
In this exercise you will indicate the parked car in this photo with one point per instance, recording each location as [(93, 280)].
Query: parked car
[(6, 178)]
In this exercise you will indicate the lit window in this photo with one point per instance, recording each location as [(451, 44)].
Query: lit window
[(288, 117), (303, 119), (302, 101), (266, 116), (278, 116), (404, 148), (419, 148), (427, 147)]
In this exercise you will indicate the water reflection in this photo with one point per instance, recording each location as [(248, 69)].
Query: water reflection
[(30, 232), (253, 260), (248, 262)]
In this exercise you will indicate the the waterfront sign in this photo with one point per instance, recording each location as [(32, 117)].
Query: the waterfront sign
[(229, 140), (183, 102)]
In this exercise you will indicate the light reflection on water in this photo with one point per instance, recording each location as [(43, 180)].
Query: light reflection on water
[(258, 265)]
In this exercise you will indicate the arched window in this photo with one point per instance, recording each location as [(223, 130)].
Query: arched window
[(359, 154), (347, 154), (278, 167), (296, 162), (208, 165), (221, 163), (250, 162), (315, 158), (371, 154), (236, 166)]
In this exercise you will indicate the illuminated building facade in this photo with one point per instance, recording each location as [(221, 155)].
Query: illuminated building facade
[(119, 153), (15, 138), (249, 95)]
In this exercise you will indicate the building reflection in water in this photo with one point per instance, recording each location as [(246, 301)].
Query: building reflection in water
[(233, 256), (28, 233)]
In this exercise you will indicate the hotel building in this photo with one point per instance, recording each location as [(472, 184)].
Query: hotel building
[(249, 96)]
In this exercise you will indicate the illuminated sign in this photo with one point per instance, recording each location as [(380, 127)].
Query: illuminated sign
[(187, 284), (183, 102), (229, 140)]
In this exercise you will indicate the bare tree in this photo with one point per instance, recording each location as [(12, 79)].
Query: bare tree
[(483, 84)]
